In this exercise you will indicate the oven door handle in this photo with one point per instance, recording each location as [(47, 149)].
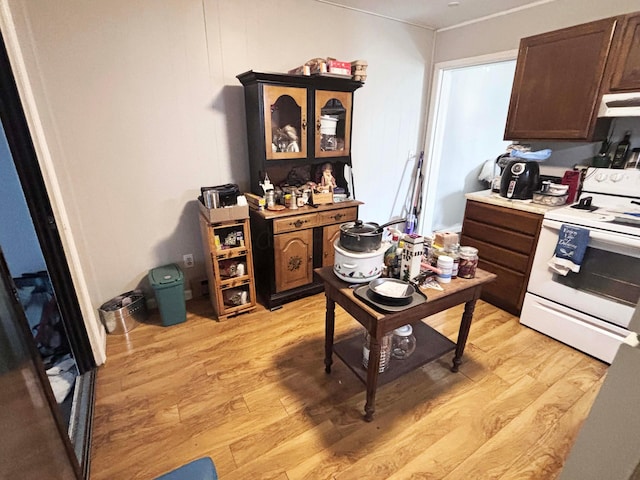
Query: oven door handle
[(609, 237)]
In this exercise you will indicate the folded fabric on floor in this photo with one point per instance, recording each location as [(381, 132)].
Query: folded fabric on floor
[(62, 376), (570, 250)]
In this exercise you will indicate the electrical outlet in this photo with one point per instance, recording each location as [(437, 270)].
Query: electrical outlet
[(188, 260)]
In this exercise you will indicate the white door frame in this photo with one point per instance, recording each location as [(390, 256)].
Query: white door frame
[(433, 153)]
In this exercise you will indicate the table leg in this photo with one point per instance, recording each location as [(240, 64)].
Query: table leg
[(329, 325), (465, 325), (372, 379)]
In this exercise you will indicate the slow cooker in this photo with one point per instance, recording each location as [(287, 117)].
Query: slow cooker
[(358, 267)]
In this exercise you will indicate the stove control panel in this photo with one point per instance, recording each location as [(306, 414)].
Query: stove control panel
[(612, 182)]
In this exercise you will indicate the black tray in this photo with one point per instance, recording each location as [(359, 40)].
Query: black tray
[(364, 293)]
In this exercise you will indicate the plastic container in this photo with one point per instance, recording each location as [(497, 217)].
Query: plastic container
[(168, 284), (445, 264), (121, 314), (403, 343), (385, 351)]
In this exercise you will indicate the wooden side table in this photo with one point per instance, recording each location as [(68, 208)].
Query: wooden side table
[(430, 344)]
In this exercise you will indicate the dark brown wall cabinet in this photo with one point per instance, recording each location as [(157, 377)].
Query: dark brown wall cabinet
[(506, 241), (624, 67), (557, 84)]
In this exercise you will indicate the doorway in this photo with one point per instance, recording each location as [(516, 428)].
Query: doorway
[(469, 104), (53, 285)]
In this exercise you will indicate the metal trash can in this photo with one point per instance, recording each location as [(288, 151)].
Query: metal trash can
[(121, 314), (168, 284)]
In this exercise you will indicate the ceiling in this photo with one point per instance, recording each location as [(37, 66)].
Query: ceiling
[(435, 14)]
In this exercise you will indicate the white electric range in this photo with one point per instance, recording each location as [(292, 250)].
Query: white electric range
[(591, 309)]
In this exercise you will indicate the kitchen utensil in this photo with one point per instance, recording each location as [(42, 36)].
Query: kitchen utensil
[(392, 290), (358, 267), (359, 236)]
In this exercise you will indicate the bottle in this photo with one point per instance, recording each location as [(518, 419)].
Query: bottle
[(620, 155), (602, 160), (445, 264), (403, 342), (468, 262)]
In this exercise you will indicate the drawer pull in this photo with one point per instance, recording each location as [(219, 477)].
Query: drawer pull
[(338, 216), (298, 223)]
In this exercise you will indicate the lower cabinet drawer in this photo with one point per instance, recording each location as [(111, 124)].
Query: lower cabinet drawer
[(498, 236), (338, 216), (297, 222), (487, 251), (507, 291)]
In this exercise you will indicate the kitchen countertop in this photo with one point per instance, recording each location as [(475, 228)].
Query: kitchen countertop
[(487, 196)]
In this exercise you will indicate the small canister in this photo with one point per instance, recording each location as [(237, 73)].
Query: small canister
[(468, 262), (445, 264), (271, 198)]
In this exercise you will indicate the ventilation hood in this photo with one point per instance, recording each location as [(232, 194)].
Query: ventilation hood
[(620, 105)]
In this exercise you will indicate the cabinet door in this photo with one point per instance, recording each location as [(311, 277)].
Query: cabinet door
[(293, 253), (285, 122), (557, 83), (329, 235), (626, 70), (333, 123)]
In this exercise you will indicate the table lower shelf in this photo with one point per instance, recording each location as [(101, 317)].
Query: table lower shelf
[(430, 345)]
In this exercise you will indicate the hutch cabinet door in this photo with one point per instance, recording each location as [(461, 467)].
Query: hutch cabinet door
[(333, 123), (285, 122), (293, 254), (557, 83), (329, 235), (626, 70)]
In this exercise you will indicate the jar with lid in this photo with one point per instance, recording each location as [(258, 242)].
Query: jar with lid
[(468, 262), (403, 343), (385, 351), (453, 252)]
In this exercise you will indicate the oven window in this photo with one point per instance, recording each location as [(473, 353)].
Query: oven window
[(611, 275)]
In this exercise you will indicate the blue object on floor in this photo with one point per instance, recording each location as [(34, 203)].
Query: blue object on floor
[(200, 469)]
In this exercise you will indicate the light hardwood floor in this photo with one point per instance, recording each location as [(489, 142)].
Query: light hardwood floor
[(252, 394)]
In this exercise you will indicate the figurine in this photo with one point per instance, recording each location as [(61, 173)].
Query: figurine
[(285, 139), (327, 182)]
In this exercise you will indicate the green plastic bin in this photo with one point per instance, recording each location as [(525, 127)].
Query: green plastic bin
[(168, 284)]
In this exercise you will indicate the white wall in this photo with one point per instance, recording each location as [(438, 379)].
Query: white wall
[(140, 107)]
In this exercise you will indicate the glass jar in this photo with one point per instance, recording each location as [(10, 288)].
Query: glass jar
[(403, 343), (468, 262), (453, 252), (385, 351)]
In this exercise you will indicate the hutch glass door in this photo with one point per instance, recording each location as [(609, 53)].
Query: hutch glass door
[(333, 123), (285, 122)]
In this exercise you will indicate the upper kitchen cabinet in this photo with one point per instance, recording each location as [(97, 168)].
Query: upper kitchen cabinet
[(296, 121), (558, 84), (624, 63)]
